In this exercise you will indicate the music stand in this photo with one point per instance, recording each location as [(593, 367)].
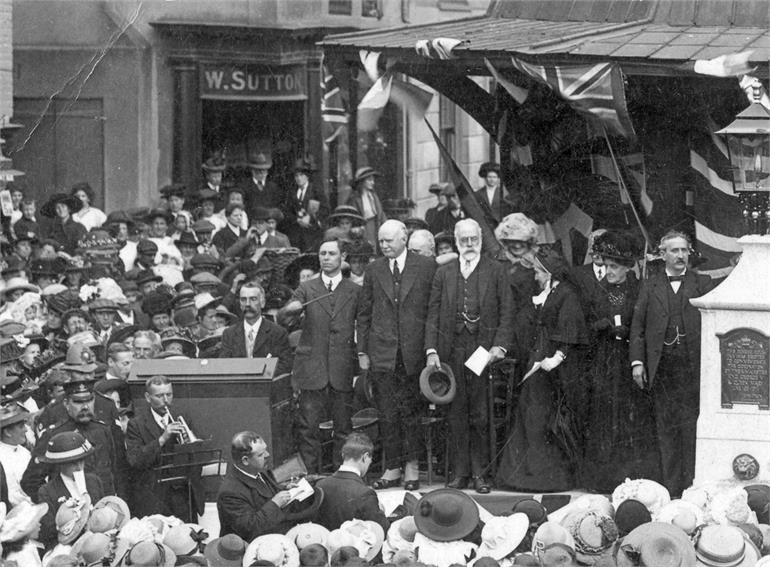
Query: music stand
[(183, 460)]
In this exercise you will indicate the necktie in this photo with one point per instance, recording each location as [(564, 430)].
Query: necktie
[(600, 272), (300, 194), (252, 336), (676, 278), (396, 272), (330, 286), (260, 186)]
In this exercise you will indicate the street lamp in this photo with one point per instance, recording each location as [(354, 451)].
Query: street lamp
[(748, 143)]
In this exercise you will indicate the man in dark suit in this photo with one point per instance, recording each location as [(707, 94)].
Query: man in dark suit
[(250, 502), (305, 208), (446, 219), (366, 200), (471, 306), (232, 231), (325, 358), (258, 189), (588, 277), (254, 336), (346, 496), (493, 197), (150, 432), (391, 333), (665, 356)]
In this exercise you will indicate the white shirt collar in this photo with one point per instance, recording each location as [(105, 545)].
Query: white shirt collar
[(598, 271), (158, 418), (254, 327), (474, 263), (335, 280), (670, 274), (8, 447), (257, 476), (236, 229), (348, 468), (400, 260)]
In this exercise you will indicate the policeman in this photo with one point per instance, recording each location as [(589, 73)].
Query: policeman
[(108, 462)]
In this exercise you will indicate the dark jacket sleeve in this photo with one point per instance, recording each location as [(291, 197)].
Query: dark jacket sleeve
[(369, 509), (141, 455), (434, 310), (227, 345), (636, 346), (36, 473), (364, 317), (284, 354), (236, 510), (504, 335)]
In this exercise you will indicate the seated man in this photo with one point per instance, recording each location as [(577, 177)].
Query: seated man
[(346, 495), (250, 503)]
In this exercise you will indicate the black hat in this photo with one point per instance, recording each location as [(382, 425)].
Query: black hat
[(146, 246), (347, 212), (207, 194), (117, 217), (215, 164), (49, 209), (364, 173), (444, 238), (304, 165), (205, 262), (360, 249), (146, 276), (47, 266), (416, 223), (618, 246), (487, 167), (157, 212), (307, 261), (260, 161), (13, 264), (260, 213), (157, 302), (173, 190), (187, 238), (66, 447)]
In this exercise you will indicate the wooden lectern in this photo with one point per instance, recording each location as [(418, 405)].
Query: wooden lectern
[(220, 397)]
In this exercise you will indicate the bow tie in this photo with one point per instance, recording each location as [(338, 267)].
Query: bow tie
[(676, 278)]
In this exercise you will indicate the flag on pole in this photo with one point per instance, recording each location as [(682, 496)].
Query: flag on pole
[(373, 104), (333, 109), (467, 198), (595, 91)]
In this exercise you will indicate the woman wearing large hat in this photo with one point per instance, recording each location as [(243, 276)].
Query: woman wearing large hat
[(64, 229), (366, 201), (619, 439)]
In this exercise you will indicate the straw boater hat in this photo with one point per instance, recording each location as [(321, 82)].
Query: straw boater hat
[(658, 544), (186, 539), (725, 546), (226, 551), (49, 208), (347, 212), (446, 514), (17, 283), (364, 173), (438, 386), (275, 548), (12, 413), (109, 513), (150, 554)]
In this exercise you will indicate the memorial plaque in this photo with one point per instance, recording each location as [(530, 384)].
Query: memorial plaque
[(745, 368)]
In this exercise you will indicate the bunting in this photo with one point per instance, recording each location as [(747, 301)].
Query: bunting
[(595, 91)]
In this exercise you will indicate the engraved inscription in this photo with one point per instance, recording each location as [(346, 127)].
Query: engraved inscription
[(745, 368)]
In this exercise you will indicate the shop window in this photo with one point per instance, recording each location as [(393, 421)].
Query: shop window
[(341, 7), (371, 9), (447, 116), (61, 143)]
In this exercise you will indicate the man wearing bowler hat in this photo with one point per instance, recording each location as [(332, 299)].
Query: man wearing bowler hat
[(213, 171), (258, 189), (366, 201), (108, 462), (470, 306), (305, 208)]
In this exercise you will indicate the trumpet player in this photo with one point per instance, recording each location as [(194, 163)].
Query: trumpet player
[(152, 431)]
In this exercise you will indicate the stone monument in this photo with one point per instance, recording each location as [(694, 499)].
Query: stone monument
[(734, 423)]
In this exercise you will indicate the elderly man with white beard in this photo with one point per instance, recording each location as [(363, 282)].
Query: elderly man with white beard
[(470, 306)]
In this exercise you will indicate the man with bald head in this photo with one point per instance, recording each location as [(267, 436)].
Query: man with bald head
[(390, 332)]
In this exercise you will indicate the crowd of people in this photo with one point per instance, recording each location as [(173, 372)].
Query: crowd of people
[(603, 359)]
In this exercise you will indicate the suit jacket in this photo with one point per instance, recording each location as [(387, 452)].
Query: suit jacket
[(356, 201), (495, 308), (347, 497), (245, 507), (326, 351), (245, 247), (144, 454), (225, 238), (587, 284), (444, 221), (281, 240), (651, 313), (387, 323), (268, 198), (498, 209), (304, 238), (51, 493), (271, 339)]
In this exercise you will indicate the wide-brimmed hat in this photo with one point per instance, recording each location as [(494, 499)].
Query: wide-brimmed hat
[(102, 304), (365, 173), (488, 166), (47, 266), (72, 517), (80, 358), (95, 549), (549, 534), (186, 539), (226, 551), (187, 238), (67, 447), (618, 246), (189, 348), (656, 544), (158, 212), (725, 546), (10, 328), (304, 165), (729, 506), (308, 533), (446, 514), (502, 534), (150, 554), (347, 212), (594, 534), (438, 385), (205, 278), (681, 513), (172, 190), (443, 553), (109, 513), (260, 161), (275, 548), (307, 261), (21, 521), (224, 312), (650, 493), (49, 208), (214, 164), (517, 226), (117, 217), (19, 283), (13, 412), (368, 536)]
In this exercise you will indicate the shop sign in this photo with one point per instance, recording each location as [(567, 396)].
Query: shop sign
[(253, 82)]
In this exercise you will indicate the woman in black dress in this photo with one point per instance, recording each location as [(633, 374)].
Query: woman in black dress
[(620, 434), (541, 453)]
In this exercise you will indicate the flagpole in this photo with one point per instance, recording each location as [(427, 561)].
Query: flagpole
[(623, 187)]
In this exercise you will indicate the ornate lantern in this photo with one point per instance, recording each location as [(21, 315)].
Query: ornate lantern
[(748, 143)]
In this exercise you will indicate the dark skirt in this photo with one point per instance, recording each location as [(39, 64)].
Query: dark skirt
[(621, 440)]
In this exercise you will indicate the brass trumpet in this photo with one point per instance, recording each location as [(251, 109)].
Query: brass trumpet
[(187, 436)]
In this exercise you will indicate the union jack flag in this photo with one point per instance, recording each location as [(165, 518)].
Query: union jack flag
[(332, 106), (595, 91)]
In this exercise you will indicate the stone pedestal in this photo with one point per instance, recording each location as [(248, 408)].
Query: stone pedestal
[(735, 366)]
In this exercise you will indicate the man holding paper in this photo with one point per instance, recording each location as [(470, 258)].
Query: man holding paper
[(470, 325)]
